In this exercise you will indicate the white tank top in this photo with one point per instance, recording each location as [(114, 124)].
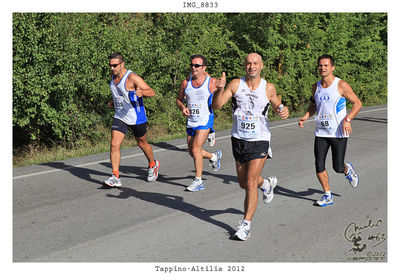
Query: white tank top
[(250, 111), (331, 111), (199, 103), (128, 107)]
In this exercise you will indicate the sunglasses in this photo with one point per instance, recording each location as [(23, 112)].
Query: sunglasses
[(195, 65), (114, 65)]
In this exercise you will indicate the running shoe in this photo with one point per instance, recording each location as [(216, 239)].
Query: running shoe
[(216, 165), (351, 175), (152, 173), (243, 232), (211, 139), (113, 181), (268, 195), (325, 200), (196, 185)]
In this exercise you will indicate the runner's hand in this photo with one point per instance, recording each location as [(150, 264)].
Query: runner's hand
[(185, 112), (221, 82), (284, 113), (139, 92), (302, 121), (347, 128), (110, 104)]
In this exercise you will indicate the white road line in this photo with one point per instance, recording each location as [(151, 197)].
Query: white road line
[(155, 151)]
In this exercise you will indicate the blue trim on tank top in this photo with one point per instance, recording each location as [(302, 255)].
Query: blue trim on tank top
[(205, 80)]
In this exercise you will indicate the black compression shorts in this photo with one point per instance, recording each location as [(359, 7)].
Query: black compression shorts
[(137, 130), (321, 147)]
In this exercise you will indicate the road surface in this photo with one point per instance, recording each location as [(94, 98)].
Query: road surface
[(62, 212)]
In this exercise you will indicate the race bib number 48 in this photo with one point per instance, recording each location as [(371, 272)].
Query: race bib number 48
[(324, 122)]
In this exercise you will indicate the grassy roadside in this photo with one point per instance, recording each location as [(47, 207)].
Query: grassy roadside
[(36, 155)]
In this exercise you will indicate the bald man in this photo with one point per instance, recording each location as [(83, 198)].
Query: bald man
[(251, 97)]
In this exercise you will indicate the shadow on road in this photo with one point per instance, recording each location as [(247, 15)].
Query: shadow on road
[(279, 190), (128, 172), (227, 179), (177, 203), (372, 119), (79, 172), (168, 146)]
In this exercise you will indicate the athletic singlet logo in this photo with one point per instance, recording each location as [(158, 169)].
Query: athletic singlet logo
[(324, 98)]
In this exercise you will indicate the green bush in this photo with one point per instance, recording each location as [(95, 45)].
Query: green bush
[(61, 74)]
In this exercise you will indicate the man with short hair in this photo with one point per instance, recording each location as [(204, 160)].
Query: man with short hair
[(333, 125), (251, 97), (198, 90), (128, 90)]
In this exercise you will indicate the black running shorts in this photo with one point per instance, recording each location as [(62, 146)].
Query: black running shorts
[(244, 151), (137, 130)]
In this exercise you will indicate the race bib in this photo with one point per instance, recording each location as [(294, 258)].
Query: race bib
[(324, 122), (248, 126), (119, 103), (194, 110)]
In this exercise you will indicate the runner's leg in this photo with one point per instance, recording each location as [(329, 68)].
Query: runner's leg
[(249, 176), (146, 148), (198, 152), (115, 154)]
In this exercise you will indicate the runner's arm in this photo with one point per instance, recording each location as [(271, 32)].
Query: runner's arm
[(275, 101), (222, 96), (181, 97), (311, 109), (346, 91), (136, 83)]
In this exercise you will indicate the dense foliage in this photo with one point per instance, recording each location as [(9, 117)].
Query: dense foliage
[(61, 74)]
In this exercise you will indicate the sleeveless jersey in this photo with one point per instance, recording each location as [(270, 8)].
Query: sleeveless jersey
[(199, 101), (250, 111), (331, 111), (128, 107)]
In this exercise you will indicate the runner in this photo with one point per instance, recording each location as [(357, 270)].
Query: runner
[(128, 90), (333, 125), (251, 97), (211, 136), (198, 90)]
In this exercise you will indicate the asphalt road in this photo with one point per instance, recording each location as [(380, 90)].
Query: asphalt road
[(62, 213)]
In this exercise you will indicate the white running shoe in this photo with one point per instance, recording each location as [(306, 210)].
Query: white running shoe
[(216, 165), (243, 232), (152, 173), (113, 181), (196, 185), (211, 139), (268, 195), (351, 176), (325, 200)]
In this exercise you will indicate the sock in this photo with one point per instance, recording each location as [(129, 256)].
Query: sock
[(348, 170), (199, 179), (328, 193), (246, 223), (116, 173), (152, 164), (214, 157), (266, 185)]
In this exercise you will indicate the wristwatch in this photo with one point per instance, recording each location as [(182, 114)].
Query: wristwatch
[(347, 119)]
